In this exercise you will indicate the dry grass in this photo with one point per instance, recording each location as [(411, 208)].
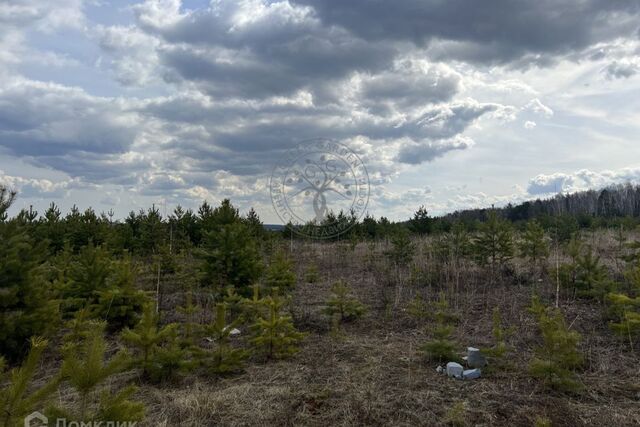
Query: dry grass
[(372, 374)]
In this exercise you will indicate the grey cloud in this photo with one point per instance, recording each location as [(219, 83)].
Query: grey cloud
[(416, 153), (503, 29), (409, 86), (274, 49), (621, 69), (40, 119)]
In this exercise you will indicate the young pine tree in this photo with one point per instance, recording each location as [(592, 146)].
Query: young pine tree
[(534, 246), (223, 358), (230, 257), (27, 303), (441, 348), (624, 308), (275, 336), (342, 304), (190, 328), (500, 348), (255, 307), (419, 309), (89, 273), (402, 249), (311, 275), (280, 273), (15, 400), (421, 223), (147, 338), (121, 303), (87, 371), (493, 245), (591, 276), (558, 356)]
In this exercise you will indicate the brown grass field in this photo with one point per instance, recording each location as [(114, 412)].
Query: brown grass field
[(371, 372)]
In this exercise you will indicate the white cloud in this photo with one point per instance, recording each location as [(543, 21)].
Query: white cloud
[(583, 179), (537, 107)]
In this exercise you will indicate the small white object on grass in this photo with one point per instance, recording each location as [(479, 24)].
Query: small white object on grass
[(454, 370), (475, 358), (471, 374)]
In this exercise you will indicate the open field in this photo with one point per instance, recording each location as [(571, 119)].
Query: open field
[(371, 372)]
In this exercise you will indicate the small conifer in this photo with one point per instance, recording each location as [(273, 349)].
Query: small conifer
[(87, 371), (558, 356), (275, 335), (15, 400), (441, 348), (224, 358), (147, 338), (343, 304), (280, 273)]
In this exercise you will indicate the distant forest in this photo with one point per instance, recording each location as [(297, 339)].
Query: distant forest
[(590, 208), (146, 231)]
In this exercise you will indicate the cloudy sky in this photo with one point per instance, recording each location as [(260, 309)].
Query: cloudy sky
[(450, 104)]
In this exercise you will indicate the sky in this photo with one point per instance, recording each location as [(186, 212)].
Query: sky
[(450, 104)]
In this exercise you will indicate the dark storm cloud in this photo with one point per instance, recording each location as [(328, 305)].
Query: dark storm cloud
[(498, 30)]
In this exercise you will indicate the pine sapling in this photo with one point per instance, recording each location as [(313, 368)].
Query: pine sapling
[(275, 336), (280, 273), (224, 358), (419, 309), (255, 307), (625, 312), (15, 400), (534, 246), (500, 348), (344, 305), (558, 356), (190, 328), (441, 348), (147, 338), (87, 371), (311, 275), (121, 303)]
